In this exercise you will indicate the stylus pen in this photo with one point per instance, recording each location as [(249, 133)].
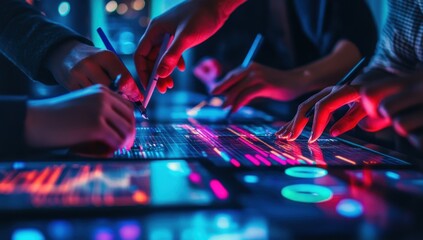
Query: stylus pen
[(347, 79), (152, 82), (250, 56), (253, 51), (109, 47)]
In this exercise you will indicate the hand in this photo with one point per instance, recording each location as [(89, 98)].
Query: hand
[(75, 65), (241, 86), (208, 71), (91, 115), (190, 23), (400, 102), (326, 102)]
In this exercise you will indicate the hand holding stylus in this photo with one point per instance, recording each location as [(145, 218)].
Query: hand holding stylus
[(117, 82)]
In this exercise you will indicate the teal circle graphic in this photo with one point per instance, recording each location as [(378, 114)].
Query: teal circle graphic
[(306, 172), (307, 193)]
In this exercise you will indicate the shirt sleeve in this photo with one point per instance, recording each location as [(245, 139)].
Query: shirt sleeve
[(12, 125), (27, 37), (326, 22)]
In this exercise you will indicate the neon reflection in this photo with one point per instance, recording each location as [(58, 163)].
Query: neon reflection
[(218, 189), (349, 208), (307, 193), (306, 172)]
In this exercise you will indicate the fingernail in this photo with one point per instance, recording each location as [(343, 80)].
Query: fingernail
[(311, 139), (289, 137), (335, 132)]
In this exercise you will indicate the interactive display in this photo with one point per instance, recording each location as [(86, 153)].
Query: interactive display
[(252, 145), (314, 199), (160, 183)]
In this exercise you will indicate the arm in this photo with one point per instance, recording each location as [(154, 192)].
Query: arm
[(108, 122), (52, 53), (257, 81), (26, 38)]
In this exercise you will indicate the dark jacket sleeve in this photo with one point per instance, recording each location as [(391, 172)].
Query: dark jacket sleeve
[(12, 125), (27, 37), (326, 22)]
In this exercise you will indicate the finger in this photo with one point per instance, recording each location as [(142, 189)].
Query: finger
[(80, 80), (112, 65), (109, 136), (153, 36), (394, 105), (233, 93), (163, 84), (169, 82), (123, 107), (181, 64), (300, 120), (146, 65), (245, 97), (172, 55), (372, 95), (327, 105), (354, 115), (231, 79), (370, 124), (408, 122), (96, 74), (287, 132), (282, 128)]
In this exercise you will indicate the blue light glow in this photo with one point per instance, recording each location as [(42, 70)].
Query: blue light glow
[(306, 172), (179, 167), (27, 234), (103, 234), (392, 175), (223, 221), (251, 179), (18, 165), (64, 9), (60, 230), (349, 208)]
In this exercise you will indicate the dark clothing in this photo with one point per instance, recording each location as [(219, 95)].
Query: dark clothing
[(26, 39)]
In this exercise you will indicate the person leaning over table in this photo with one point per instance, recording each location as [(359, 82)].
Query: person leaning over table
[(51, 53), (388, 93)]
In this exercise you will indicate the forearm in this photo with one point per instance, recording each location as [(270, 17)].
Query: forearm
[(331, 68), (27, 37)]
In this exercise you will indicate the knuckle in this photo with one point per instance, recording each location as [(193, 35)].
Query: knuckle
[(302, 107)]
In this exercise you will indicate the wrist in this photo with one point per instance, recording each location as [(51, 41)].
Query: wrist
[(57, 57), (307, 80)]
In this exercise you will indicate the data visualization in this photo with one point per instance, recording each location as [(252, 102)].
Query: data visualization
[(249, 145), (157, 183)]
